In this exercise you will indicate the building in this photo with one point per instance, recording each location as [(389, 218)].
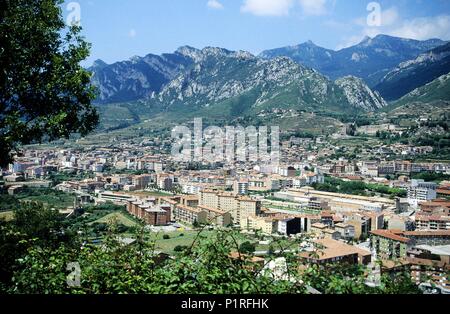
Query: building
[(149, 212), (240, 207), (436, 207), (324, 232), (347, 231), (432, 222), (432, 238), (189, 215), (362, 225), (421, 191), (402, 223), (390, 245), (267, 225), (164, 182), (216, 216), (241, 187), (116, 198), (338, 202), (289, 226), (332, 251), (431, 265)]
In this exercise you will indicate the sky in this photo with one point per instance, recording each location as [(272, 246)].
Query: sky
[(121, 29)]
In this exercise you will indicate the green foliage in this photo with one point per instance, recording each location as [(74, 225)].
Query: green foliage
[(247, 248), (36, 251), (45, 93), (49, 197), (8, 202), (33, 226), (180, 248), (357, 188), (166, 237), (431, 176)]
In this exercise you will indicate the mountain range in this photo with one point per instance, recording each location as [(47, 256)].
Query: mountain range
[(136, 78), (415, 73), (233, 83), (437, 90), (223, 84), (370, 60)]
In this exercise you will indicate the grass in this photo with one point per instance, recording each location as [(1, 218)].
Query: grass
[(186, 238), (120, 217), (8, 216), (151, 194), (182, 238)]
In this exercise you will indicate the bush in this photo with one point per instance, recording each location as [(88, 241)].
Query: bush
[(180, 248), (247, 248), (166, 237)]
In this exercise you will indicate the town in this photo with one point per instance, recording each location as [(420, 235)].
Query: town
[(396, 212)]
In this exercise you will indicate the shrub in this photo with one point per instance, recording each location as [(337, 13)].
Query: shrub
[(247, 248), (180, 248)]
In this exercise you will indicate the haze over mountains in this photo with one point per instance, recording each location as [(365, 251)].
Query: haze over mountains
[(218, 82)]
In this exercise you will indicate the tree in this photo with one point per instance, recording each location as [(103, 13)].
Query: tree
[(247, 248), (33, 226), (45, 94)]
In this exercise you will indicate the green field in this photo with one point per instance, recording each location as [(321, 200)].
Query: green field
[(182, 238), (186, 238), (119, 217)]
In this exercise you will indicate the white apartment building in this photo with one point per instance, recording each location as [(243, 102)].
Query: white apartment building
[(420, 191)]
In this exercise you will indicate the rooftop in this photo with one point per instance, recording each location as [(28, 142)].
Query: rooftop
[(390, 234)]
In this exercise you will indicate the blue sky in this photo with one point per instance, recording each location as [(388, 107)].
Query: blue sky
[(120, 29)]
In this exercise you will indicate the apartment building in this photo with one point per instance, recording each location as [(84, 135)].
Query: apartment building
[(430, 264), (390, 245), (361, 224), (149, 212), (432, 238), (324, 232), (289, 226), (241, 187), (420, 191), (432, 222), (240, 207), (267, 225), (439, 207), (216, 216), (189, 215)]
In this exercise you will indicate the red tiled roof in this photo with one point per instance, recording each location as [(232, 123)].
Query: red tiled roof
[(389, 234), (438, 233)]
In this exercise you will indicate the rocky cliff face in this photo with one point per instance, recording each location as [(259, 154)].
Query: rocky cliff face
[(414, 73)]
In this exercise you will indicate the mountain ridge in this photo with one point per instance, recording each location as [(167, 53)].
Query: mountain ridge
[(415, 73), (370, 59)]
